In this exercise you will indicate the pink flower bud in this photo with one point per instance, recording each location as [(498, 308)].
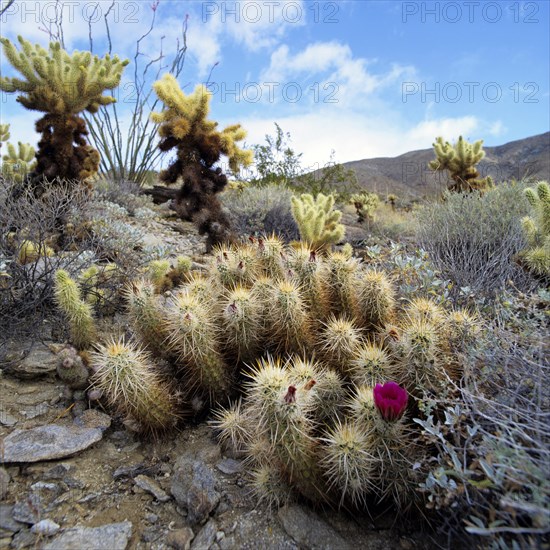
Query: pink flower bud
[(290, 396), (390, 400)]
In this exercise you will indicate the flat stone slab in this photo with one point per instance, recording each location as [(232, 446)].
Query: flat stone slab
[(113, 536), (309, 530), (46, 443)]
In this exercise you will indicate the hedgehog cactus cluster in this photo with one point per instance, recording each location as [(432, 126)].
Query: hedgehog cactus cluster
[(310, 337)]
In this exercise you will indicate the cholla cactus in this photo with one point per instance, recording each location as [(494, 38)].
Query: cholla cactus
[(77, 311), (537, 230), (461, 160), (199, 146), (61, 85), (318, 223), (365, 205), (4, 133), (18, 162)]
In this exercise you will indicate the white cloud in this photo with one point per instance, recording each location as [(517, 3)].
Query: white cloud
[(333, 64), (359, 136)]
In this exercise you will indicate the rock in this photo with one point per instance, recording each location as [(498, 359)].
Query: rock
[(230, 466), (206, 536), (180, 539), (59, 471), (45, 527), (151, 486), (310, 531), (114, 536), (40, 361), (193, 487), (134, 470), (92, 418), (29, 510), (4, 482), (151, 534), (23, 539), (47, 443), (7, 419), (7, 523)]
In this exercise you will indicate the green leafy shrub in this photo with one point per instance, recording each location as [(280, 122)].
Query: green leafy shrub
[(261, 211), (472, 239)]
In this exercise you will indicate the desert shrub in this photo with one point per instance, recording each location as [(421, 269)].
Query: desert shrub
[(473, 239), (261, 211), (491, 475), (391, 223), (32, 247), (125, 193)]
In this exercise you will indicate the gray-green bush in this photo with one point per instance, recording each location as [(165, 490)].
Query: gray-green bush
[(473, 239), (258, 211)]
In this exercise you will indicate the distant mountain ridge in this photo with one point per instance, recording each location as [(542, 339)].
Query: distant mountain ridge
[(408, 175)]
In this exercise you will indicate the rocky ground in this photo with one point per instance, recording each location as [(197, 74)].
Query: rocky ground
[(72, 477)]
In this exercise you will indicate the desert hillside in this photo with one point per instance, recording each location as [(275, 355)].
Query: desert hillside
[(408, 175)]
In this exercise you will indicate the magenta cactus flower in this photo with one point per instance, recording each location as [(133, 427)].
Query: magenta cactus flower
[(390, 400)]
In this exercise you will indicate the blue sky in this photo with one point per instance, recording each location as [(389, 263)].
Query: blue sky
[(363, 78)]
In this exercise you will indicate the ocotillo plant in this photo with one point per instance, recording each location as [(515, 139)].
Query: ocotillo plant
[(460, 160), (62, 86), (199, 146)]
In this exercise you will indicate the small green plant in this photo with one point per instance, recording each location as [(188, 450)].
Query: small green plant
[(537, 230), (318, 223), (460, 161)]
